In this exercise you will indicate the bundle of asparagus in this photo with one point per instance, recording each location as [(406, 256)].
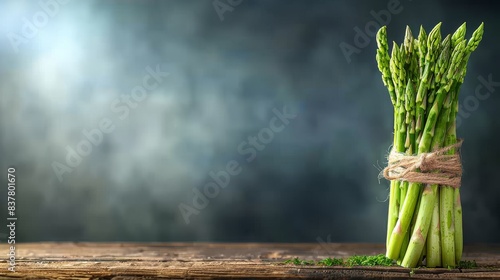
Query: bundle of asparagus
[(423, 76)]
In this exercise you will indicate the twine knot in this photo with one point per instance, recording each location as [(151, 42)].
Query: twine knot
[(436, 167)]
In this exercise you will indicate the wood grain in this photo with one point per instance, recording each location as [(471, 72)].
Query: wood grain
[(220, 260)]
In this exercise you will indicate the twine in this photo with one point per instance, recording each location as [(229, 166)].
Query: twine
[(435, 167)]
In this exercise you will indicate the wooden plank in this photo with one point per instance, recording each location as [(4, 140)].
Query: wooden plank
[(220, 260)]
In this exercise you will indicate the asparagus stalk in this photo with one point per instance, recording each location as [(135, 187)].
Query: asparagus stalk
[(446, 205), (456, 196), (417, 241), (434, 238), (471, 46), (434, 234), (407, 241), (383, 62), (421, 99), (450, 238), (411, 70), (447, 226), (459, 239), (383, 59)]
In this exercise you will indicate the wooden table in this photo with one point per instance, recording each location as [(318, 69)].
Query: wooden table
[(219, 260)]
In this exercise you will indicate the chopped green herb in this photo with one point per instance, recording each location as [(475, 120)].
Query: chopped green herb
[(369, 261), (331, 262), (467, 264), (298, 261), (380, 260)]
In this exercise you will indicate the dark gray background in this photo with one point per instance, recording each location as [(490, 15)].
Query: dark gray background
[(317, 178)]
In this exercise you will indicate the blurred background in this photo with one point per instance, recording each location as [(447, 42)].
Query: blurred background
[(69, 68)]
